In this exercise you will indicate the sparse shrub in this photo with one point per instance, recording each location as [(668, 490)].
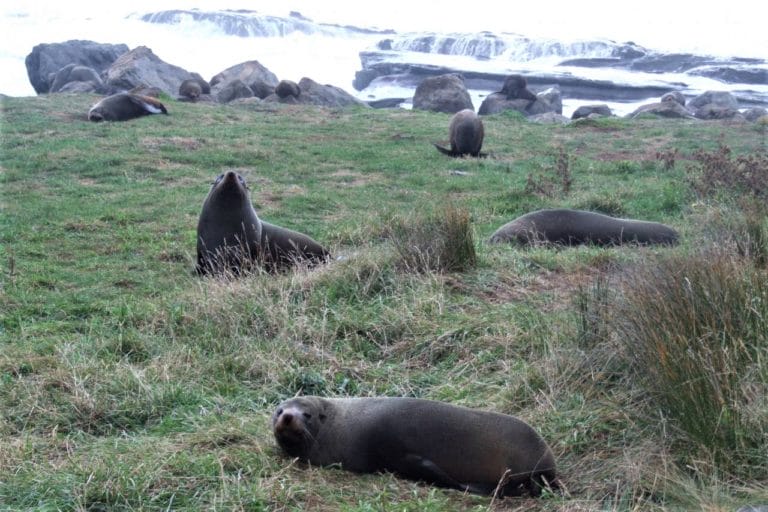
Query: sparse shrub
[(717, 172), (439, 241), (667, 157), (696, 334), (549, 181)]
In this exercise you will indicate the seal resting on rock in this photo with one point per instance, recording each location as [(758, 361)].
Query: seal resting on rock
[(573, 227), (124, 106), (446, 445), (465, 133), (231, 237)]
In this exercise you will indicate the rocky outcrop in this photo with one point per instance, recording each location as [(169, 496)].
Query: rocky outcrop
[(141, 67), (248, 72), (665, 108), (232, 90), (515, 95), (47, 59), (445, 93), (583, 111), (313, 93), (77, 78), (755, 113), (714, 105)]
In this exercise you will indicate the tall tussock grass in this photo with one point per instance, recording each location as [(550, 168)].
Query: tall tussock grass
[(440, 240), (695, 329)]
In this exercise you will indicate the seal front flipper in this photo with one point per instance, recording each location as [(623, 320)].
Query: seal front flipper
[(417, 467)]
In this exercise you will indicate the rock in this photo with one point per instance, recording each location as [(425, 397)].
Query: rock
[(248, 72), (141, 67), (77, 73), (47, 59), (81, 88), (734, 74), (717, 98), (676, 96), (712, 112), (552, 97), (444, 93), (591, 110), (287, 88), (754, 113), (670, 109), (313, 93), (549, 118), (262, 89), (232, 90)]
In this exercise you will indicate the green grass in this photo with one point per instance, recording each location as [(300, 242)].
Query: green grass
[(129, 383)]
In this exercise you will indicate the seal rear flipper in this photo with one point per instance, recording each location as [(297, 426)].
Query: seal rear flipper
[(150, 105), (443, 150)]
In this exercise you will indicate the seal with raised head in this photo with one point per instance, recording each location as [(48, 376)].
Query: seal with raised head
[(435, 442), (231, 237), (124, 106), (465, 133), (574, 227)]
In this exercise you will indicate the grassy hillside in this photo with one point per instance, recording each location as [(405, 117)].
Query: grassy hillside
[(127, 382)]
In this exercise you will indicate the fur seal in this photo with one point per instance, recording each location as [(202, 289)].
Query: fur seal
[(573, 227), (287, 88), (230, 236), (446, 445), (123, 106), (465, 133)]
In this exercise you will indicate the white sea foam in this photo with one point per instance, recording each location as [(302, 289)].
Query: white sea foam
[(202, 47)]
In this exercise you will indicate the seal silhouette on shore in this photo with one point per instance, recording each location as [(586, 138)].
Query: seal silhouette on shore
[(124, 106), (446, 445), (465, 133), (231, 237), (574, 227)]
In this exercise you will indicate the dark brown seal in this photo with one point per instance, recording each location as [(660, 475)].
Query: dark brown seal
[(231, 237), (465, 133), (450, 446), (124, 106), (573, 227), (287, 88)]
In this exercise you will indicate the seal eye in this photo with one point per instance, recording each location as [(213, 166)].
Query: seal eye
[(279, 411), (218, 179), (307, 415)]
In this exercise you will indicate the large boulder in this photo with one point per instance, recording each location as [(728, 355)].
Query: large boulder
[(232, 90), (669, 108), (722, 99), (755, 113), (248, 72), (47, 59), (141, 67), (443, 93), (81, 78), (600, 109)]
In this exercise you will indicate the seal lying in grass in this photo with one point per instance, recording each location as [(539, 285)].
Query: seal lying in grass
[(465, 133), (231, 237), (124, 106), (573, 227), (450, 446)]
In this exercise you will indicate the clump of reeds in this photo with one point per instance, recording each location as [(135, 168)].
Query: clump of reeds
[(440, 240), (695, 330)]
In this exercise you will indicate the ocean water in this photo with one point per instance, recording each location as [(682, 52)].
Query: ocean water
[(669, 27)]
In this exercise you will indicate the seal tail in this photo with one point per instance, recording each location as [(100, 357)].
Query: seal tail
[(443, 150)]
